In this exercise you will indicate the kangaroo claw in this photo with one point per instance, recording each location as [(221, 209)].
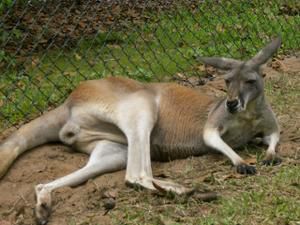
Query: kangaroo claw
[(246, 169), (272, 162)]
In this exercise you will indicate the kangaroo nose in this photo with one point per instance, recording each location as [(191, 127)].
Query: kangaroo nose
[(232, 104)]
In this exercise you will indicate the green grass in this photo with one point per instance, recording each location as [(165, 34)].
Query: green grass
[(261, 200), (268, 198), (162, 47)]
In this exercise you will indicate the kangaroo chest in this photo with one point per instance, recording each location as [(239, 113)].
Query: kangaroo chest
[(237, 132)]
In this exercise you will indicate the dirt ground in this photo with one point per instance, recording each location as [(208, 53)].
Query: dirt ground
[(84, 204)]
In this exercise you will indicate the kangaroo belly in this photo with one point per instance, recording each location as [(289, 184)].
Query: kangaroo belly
[(165, 153), (84, 138), (178, 132), (87, 139)]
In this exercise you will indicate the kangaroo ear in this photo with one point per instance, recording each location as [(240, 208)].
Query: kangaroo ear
[(220, 62), (263, 55)]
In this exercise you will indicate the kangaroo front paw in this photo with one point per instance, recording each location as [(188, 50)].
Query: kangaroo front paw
[(245, 169), (272, 161)]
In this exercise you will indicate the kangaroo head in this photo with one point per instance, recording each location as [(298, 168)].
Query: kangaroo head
[(244, 79)]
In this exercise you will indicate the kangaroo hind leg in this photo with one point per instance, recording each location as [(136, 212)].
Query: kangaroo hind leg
[(39, 131), (106, 157), (137, 123)]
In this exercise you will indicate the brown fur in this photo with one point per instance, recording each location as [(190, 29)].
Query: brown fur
[(108, 89), (176, 102), (189, 109)]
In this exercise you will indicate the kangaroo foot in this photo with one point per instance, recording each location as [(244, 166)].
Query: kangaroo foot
[(43, 205), (140, 183), (168, 186)]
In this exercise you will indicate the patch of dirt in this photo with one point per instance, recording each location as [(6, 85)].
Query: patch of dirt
[(84, 204)]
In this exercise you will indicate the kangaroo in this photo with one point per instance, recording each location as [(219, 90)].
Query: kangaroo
[(122, 123)]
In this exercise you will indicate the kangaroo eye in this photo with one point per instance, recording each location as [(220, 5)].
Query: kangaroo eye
[(227, 81), (250, 81)]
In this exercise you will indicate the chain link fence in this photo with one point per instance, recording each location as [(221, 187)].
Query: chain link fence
[(49, 46)]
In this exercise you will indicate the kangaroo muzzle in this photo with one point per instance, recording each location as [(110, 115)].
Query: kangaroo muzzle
[(232, 105)]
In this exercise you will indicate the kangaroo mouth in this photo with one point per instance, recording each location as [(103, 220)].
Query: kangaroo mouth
[(233, 110)]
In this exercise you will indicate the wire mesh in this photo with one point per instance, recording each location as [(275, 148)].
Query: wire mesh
[(49, 46)]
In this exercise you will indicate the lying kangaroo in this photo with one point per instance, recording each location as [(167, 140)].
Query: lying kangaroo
[(122, 123)]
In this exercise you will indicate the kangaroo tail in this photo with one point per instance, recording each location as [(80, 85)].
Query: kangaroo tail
[(39, 131)]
